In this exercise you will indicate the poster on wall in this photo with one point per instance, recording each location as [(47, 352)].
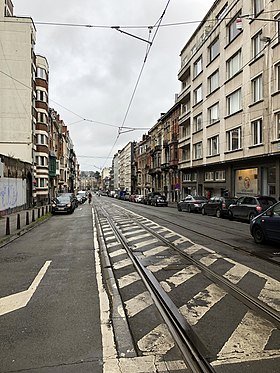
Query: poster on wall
[(12, 193), (246, 182)]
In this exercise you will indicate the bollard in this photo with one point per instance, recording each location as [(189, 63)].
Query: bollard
[(38, 212), (47, 209), (27, 218), (18, 221), (43, 211), (33, 215), (8, 230)]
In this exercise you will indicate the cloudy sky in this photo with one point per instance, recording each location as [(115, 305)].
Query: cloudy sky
[(94, 70)]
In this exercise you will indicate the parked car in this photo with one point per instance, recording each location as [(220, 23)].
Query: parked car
[(63, 203), (159, 200), (83, 194), (247, 207), (139, 198), (72, 195), (266, 226), (191, 203), (149, 196), (217, 206)]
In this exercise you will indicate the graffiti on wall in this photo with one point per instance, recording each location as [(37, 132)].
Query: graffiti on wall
[(12, 193)]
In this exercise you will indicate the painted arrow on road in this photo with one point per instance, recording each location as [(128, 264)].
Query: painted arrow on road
[(19, 300)]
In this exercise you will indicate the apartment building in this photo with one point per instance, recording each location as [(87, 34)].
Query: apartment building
[(41, 166), (126, 169), (230, 101), (143, 162)]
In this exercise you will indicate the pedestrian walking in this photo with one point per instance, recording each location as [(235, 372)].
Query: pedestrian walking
[(89, 197)]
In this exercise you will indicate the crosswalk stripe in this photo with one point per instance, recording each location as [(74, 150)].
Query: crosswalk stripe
[(138, 303), (248, 341), (157, 341), (270, 294), (179, 277), (128, 279), (209, 259), (122, 264), (117, 253), (155, 251), (139, 237), (236, 273), (145, 243), (193, 311)]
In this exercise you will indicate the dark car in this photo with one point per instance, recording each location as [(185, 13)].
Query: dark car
[(191, 203), (63, 203), (217, 206), (159, 200), (149, 196), (247, 207), (266, 226)]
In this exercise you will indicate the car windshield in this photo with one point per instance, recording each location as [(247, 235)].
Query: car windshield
[(200, 198), (63, 199)]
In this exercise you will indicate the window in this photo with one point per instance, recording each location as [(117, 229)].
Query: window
[(197, 67), (257, 6), (213, 145), (42, 183), (197, 94), (234, 64), (234, 102), (186, 153), (186, 129), (222, 12), (209, 176), (187, 177), (214, 49), (257, 94), (41, 96), (197, 123), (256, 45), (277, 77), (234, 139), (42, 118), (233, 31), (213, 113), (220, 175), (256, 130), (213, 81), (277, 125), (197, 148), (277, 24), (41, 73)]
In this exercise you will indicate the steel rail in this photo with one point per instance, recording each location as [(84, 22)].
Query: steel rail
[(189, 344)]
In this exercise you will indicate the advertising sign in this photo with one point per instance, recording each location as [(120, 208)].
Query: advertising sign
[(246, 182)]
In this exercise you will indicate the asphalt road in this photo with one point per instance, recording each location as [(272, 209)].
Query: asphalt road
[(52, 325)]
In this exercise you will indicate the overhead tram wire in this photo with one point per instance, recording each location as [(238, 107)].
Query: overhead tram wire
[(149, 46)]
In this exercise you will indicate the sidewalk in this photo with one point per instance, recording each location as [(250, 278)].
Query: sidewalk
[(17, 223)]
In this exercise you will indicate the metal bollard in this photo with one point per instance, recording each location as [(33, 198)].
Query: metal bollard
[(33, 215), (27, 218), (8, 230), (18, 221), (43, 211), (39, 212)]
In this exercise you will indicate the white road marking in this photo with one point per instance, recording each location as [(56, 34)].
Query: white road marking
[(117, 253), (19, 300), (236, 273), (139, 237), (128, 279), (248, 342), (145, 243), (122, 263), (209, 259), (155, 251), (134, 232), (180, 277), (157, 341), (270, 294), (193, 311), (138, 303)]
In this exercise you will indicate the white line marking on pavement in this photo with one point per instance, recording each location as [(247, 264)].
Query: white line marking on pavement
[(157, 341), (193, 312), (248, 342), (180, 277), (19, 300), (138, 303)]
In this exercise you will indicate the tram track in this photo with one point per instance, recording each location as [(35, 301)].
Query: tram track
[(237, 248), (187, 341)]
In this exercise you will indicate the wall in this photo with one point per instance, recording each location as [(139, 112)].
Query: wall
[(12, 193)]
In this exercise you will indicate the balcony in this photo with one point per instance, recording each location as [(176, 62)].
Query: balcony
[(164, 166)]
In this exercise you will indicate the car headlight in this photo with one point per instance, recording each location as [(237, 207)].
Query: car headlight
[(68, 204)]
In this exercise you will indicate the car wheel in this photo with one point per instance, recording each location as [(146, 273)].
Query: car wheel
[(203, 211), (179, 208), (189, 208), (218, 213), (230, 215), (258, 235), (156, 204)]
